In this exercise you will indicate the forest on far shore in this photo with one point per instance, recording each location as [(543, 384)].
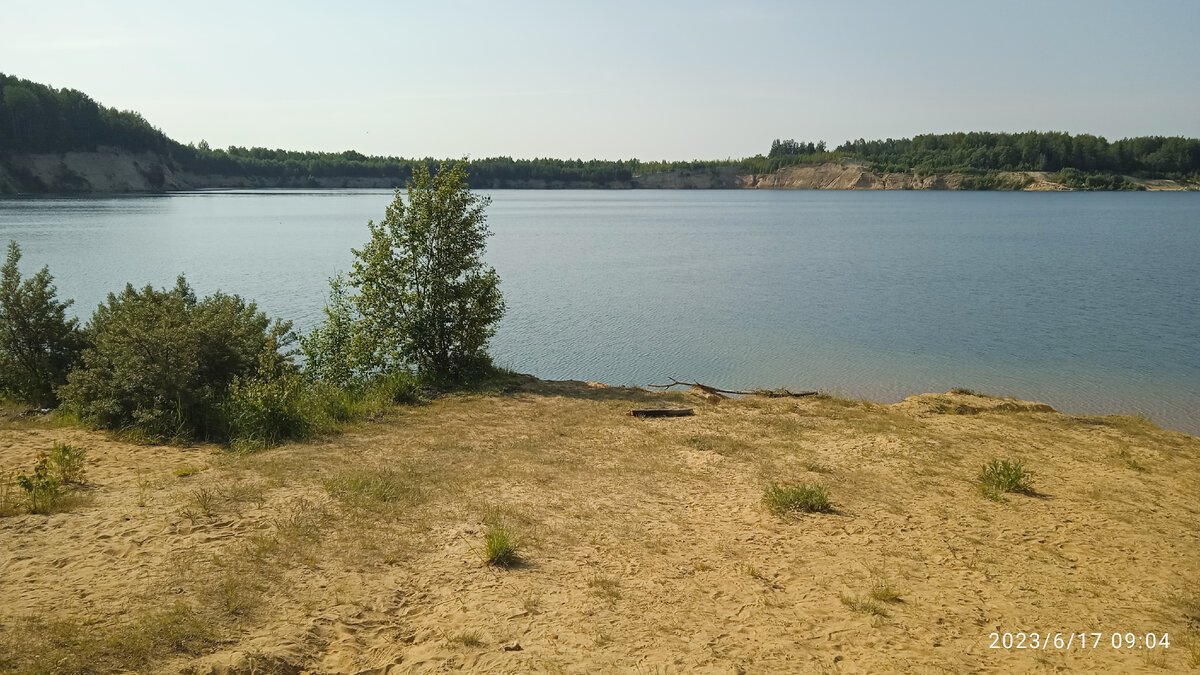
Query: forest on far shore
[(35, 118)]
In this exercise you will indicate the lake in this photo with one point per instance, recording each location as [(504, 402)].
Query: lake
[(1087, 301)]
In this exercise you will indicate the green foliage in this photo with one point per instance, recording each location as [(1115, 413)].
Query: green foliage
[(1080, 180), (338, 351), (43, 490), (67, 461), (791, 147), (268, 408), (38, 344), (806, 498), (993, 180), (161, 361), (999, 476), (501, 547), (1029, 151), (424, 299)]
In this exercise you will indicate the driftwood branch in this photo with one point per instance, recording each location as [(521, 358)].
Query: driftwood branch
[(771, 393)]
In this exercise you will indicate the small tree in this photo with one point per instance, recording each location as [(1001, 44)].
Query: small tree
[(424, 297), (38, 344)]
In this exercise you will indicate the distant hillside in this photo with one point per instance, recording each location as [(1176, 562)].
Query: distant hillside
[(62, 141)]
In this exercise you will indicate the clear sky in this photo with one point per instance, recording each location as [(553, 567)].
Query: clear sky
[(615, 79)]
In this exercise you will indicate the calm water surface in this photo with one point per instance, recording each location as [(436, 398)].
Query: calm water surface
[(1089, 302)]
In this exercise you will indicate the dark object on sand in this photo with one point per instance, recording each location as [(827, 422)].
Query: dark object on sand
[(663, 412)]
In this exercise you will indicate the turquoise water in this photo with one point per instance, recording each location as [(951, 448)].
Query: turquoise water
[(1089, 302)]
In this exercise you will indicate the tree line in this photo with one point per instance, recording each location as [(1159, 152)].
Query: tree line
[(35, 118)]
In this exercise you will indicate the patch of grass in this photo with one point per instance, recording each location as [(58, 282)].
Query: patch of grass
[(817, 467), (606, 587), (963, 391), (10, 503), (39, 645), (722, 445), (186, 470), (803, 498), (238, 595), (1193, 647), (372, 485), (1130, 461), (304, 521), (469, 639), (755, 573), (67, 461), (1000, 476), (501, 546), (246, 491), (863, 606), (144, 487), (201, 502), (883, 592)]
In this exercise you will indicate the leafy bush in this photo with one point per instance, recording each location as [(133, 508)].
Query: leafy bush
[(38, 344), (161, 361), (67, 461), (806, 498), (999, 476)]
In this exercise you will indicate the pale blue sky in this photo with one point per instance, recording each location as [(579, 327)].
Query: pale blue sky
[(677, 80)]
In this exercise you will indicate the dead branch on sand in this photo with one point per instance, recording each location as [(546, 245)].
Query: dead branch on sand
[(706, 389)]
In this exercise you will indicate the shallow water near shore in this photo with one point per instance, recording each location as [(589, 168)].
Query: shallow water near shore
[(1088, 302)]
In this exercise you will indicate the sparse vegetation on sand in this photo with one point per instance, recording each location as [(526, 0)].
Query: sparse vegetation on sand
[(1000, 476), (638, 544), (501, 546), (803, 498)]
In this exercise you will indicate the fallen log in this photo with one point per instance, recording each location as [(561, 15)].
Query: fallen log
[(770, 393), (663, 412)]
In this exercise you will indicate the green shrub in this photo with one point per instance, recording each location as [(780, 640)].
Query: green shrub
[(999, 476), (67, 461), (161, 362), (807, 498), (38, 344)]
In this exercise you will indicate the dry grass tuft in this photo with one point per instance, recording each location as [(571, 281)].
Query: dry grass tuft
[(863, 606)]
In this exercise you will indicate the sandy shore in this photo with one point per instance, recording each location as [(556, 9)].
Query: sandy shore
[(646, 547)]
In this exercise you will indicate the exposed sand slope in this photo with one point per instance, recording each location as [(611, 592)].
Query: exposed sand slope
[(647, 546)]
